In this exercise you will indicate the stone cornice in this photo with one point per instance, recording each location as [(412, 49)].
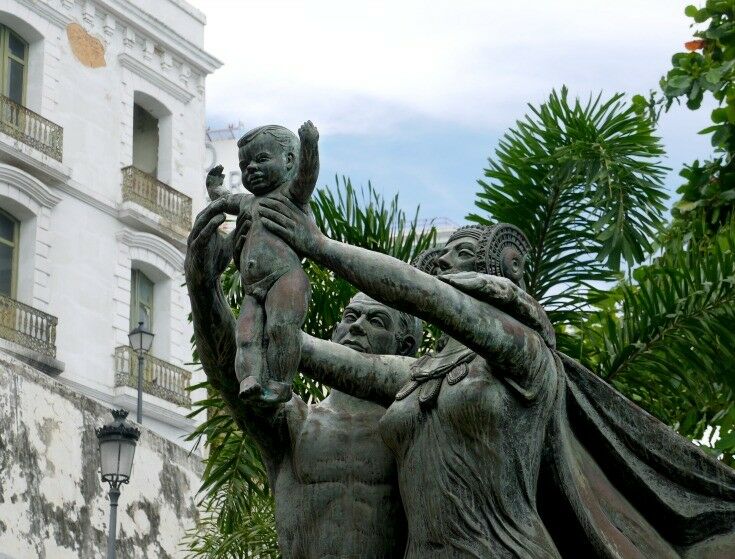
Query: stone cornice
[(128, 401), (47, 12), (75, 190), (160, 32), (30, 185), (142, 22), (148, 241), (146, 72)]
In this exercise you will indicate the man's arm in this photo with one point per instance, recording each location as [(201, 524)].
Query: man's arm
[(303, 185), (371, 377)]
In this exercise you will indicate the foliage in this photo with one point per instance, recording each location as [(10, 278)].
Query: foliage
[(709, 190), (662, 336), (237, 519), (666, 340), (584, 182)]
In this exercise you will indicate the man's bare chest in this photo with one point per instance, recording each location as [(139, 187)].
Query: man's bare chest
[(334, 446)]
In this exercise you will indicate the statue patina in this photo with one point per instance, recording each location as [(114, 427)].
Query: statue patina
[(276, 289), (506, 447), (334, 480)]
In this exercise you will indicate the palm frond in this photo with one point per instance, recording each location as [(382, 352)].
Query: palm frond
[(585, 184), (669, 343)]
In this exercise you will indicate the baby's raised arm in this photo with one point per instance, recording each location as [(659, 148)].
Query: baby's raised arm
[(303, 185), (216, 190)]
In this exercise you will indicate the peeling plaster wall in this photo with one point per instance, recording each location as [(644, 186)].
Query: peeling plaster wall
[(52, 502)]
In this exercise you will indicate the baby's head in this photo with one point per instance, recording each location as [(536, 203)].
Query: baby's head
[(268, 158)]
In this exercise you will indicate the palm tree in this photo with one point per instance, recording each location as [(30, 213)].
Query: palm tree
[(585, 182), (667, 340), (237, 508)]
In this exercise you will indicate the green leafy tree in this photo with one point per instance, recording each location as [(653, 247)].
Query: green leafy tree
[(666, 339), (585, 184), (708, 68), (663, 334), (237, 508)]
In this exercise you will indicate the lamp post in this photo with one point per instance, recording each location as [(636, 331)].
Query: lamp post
[(117, 448), (141, 341)]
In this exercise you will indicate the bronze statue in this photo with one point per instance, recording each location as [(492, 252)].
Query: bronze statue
[(333, 478), (277, 291), (505, 447)]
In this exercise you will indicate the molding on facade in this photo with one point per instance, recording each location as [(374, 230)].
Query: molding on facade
[(146, 241), (129, 401), (138, 217), (134, 246), (33, 160), (131, 15), (49, 13), (152, 76), (145, 23), (39, 200), (72, 188), (35, 359), (29, 185)]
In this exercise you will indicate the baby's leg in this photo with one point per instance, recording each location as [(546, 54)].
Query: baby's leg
[(249, 364), (286, 305)]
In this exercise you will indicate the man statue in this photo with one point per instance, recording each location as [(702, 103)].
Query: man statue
[(333, 478)]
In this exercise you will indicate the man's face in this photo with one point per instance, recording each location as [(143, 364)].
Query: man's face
[(458, 256), (368, 327), (264, 164)]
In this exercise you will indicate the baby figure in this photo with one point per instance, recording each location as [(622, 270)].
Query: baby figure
[(276, 289)]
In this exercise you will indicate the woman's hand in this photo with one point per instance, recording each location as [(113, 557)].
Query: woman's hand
[(508, 297), (292, 224)]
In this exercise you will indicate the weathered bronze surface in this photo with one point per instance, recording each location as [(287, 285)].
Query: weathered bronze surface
[(503, 446), (276, 290)]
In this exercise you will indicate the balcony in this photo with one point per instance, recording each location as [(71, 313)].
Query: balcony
[(160, 379), (29, 335), (31, 129), (27, 327), (157, 207)]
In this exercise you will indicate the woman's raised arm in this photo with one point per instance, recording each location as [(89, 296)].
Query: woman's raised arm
[(480, 326)]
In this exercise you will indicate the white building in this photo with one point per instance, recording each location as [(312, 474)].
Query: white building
[(101, 158)]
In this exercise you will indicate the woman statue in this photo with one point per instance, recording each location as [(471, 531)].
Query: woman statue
[(505, 447)]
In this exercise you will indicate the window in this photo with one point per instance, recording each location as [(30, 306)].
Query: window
[(141, 300), (14, 54), (8, 254), (145, 141)]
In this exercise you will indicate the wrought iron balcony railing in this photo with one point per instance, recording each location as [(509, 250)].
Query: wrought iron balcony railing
[(27, 327), (30, 128), (158, 197), (161, 379)]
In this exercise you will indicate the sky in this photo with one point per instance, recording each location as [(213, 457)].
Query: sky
[(414, 95)]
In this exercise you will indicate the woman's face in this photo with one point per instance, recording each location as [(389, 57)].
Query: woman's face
[(458, 256)]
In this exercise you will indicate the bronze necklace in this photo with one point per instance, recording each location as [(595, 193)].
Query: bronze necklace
[(429, 371)]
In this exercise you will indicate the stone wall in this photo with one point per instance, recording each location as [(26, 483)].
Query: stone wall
[(52, 502)]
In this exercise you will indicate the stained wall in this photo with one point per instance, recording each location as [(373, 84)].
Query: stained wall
[(52, 502)]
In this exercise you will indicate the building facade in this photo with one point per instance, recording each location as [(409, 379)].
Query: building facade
[(102, 113)]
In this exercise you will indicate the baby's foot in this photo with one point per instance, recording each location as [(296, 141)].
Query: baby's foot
[(250, 388), (275, 392)]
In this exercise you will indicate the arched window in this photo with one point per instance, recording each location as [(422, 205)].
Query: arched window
[(14, 66), (8, 253), (141, 300)]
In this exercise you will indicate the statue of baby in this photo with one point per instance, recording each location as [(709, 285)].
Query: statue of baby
[(276, 290)]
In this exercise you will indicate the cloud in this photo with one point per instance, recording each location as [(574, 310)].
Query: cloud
[(359, 66), (414, 94)]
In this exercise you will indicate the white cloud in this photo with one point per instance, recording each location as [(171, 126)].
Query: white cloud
[(361, 66)]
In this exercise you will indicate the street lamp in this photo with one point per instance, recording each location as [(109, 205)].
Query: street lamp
[(117, 447), (141, 341)]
